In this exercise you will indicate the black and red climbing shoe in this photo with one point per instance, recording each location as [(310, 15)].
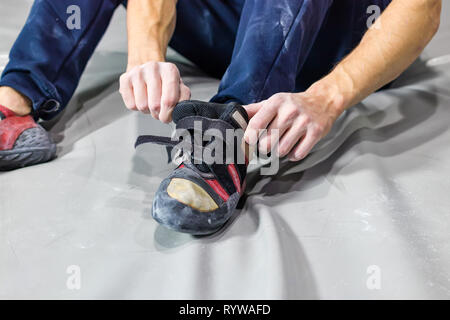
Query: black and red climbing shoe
[(22, 141), (201, 194)]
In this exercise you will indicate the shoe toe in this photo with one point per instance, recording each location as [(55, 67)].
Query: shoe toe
[(191, 194), (184, 206), (33, 146)]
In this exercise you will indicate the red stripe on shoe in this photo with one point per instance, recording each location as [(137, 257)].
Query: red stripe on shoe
[(218, 189), (180, 166), (11, 128), (6, 112), (234, 176)]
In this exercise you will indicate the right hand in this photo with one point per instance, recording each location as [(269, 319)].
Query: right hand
[(154, 87)]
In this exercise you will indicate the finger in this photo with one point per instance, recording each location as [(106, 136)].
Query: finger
[(185, 92), (291, 138), (153, 81), (252, 109), (259, 122), (126, 91), (304, 147), (170, 91), (140, 94), (272, 137)]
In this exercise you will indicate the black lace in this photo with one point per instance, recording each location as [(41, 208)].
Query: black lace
[(187, 123)]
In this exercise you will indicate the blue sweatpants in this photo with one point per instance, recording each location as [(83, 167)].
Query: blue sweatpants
[(257, 47)]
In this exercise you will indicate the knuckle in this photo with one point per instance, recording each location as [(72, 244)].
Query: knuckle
[(155, 107), (306, 119), (133, 71), (140, 73), (277, 96), (255, 123), (169, 102), (123, 80), (151, 67), (142, 106), (320, 128), (275, 100), (173, 82), (292, 112), (283, 150), (316, 133), (170, 67), (134, 75)]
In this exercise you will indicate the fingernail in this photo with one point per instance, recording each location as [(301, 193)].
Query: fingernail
[(298, 156)]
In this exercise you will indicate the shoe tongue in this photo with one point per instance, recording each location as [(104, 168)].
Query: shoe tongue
[(235, 115), (232, 113)]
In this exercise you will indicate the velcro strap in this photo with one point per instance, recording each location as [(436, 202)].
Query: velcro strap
[(196, 123), (165, 141), (188, 123), (193, 122)]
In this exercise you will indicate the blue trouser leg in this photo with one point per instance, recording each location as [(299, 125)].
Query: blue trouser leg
[(286, 45), (48, 58), (206, 31), (341, 32), (273, 41), (262, 46)]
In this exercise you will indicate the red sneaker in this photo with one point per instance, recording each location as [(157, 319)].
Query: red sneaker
[(22, 141)]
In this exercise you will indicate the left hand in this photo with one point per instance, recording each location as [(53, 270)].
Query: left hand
[(301, 118)]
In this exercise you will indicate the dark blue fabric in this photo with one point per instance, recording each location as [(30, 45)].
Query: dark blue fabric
[(47, 59), (259, 47)]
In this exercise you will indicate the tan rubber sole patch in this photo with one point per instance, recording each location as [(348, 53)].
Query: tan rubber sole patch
[(191, 194)]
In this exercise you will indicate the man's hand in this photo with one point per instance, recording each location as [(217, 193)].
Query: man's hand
[(301, 120), (151, 85), (385, 52), (154, 87)]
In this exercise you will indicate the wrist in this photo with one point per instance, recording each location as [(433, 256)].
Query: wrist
[(330, 95), (140, 57)]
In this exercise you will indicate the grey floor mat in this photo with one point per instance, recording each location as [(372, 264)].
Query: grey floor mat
[(371, 202)]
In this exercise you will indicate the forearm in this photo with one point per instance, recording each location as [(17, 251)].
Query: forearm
[(150, 26), (406, 27)]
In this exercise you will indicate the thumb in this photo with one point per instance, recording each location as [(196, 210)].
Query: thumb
[(252, 109)]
